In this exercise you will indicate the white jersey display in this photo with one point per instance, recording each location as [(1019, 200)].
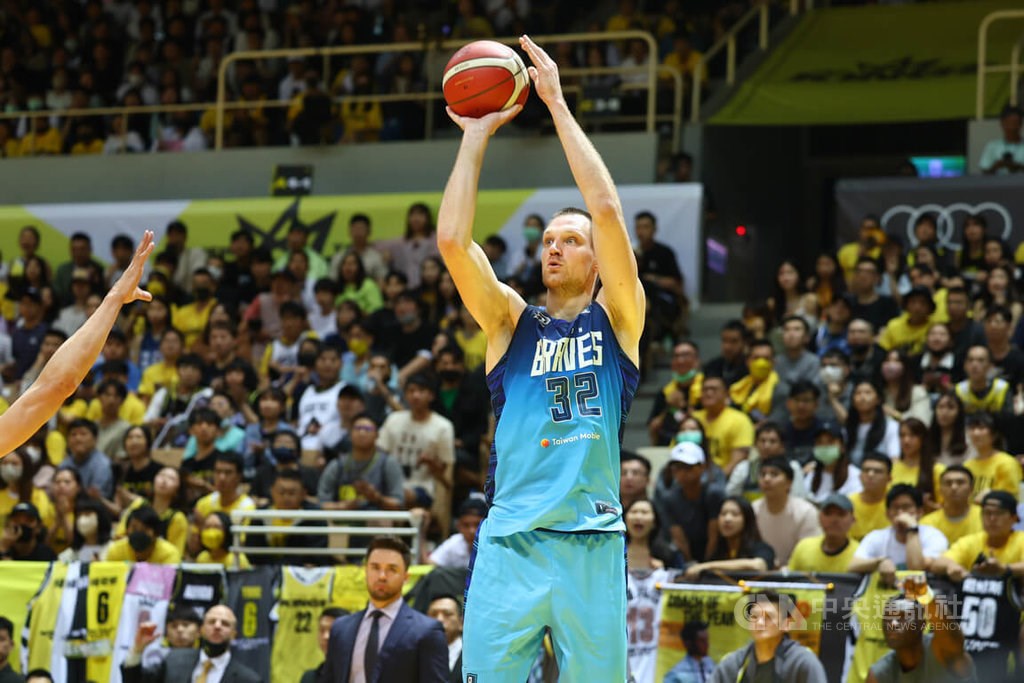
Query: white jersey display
[(643, 621)]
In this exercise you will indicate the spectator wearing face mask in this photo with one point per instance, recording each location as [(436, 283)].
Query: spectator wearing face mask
[(92, 533), (143, 543), (191, 319), (16, 478)]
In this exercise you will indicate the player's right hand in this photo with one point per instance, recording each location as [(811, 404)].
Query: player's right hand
[(487, 124)]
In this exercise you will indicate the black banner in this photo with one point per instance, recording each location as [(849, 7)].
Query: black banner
[(898, 202)]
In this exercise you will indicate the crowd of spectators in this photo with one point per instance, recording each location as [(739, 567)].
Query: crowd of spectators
[(865, 417), (286, 381), (61, 55)]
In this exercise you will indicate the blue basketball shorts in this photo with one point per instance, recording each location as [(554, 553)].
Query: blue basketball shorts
[(519, 585)]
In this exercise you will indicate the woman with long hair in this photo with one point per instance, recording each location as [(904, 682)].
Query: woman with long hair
[(947, 433), (149, 330), (868, 428), (916, 465), (429, 290), (139, 470), (937, 368), (903, 398), (357, 286), (92, 533), (169, 503), (740, 547), (35, 275), (449, 302), (827, 282), (216, 538), (646, 562), (790, 297), (831, 470), (16, 486), (67, 490), (417, 244), (971, 257), (998, 291)]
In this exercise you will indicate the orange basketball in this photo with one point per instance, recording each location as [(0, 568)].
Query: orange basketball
[(484, 77)]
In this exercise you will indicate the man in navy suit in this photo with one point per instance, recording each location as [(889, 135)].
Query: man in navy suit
[(388, 641)]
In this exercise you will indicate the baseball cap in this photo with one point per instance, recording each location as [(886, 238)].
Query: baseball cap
[(80, 274), (687, 453), (32, 293), (921, 292), (1004, 499), (838, 500), (26, 509), (350, 391), (830, 427)]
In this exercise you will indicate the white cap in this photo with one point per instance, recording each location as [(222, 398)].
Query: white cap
[(688, 454)]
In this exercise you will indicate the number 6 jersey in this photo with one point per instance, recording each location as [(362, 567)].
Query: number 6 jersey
[(560, 394)]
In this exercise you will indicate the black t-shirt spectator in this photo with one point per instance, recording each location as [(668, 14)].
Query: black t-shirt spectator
[(675, 509), (878, 312), (659, 260), (731, 373), (40, 553), (25, 343), (971, 335), (757, 549), (800, 442), (140, 482), (267, 473), (202, 468), (408, 344), (1011, 367)]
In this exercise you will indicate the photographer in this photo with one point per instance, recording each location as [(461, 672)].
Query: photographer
[(23, 535)]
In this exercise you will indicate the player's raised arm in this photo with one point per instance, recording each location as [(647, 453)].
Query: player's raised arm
[(69, 365), (621, 290), (494, 305)]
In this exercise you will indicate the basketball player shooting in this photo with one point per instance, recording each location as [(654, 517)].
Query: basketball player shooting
[(72, 361), (550, 553)]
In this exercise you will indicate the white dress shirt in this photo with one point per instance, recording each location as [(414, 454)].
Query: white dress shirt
[(220, 665), (454, 652), (390, 613)]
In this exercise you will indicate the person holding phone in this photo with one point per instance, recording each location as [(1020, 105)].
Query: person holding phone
[(23, 536)]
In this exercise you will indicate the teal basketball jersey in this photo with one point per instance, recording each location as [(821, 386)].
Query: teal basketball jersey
[(560, 395)]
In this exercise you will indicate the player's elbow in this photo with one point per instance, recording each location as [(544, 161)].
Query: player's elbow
[(449, 242), (605, 209)]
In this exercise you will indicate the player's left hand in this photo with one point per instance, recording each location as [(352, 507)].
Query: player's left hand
[(487, 124), (543, 73), (127, 287)]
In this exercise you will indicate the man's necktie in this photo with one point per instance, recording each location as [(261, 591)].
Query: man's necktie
[(372, 645), (207, 665)]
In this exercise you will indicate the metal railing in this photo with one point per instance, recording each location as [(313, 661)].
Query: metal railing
[(347, 519), (984, 69), (433, 79), (760, 13), (650, 86)]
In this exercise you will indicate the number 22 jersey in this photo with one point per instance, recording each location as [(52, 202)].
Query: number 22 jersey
[(560, 395)]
